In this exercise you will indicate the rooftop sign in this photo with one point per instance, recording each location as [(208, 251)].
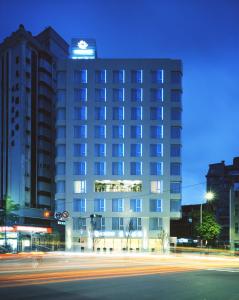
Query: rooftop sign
[(83, 49)]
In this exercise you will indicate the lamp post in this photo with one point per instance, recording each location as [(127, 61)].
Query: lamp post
[(209, 196)]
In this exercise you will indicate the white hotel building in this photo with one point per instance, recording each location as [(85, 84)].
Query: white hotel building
[(118, 149)]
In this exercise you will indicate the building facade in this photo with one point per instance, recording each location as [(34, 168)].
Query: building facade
[(27, 125), (118, 141), (223, 180)]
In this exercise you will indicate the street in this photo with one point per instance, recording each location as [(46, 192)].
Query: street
[(110, 276)]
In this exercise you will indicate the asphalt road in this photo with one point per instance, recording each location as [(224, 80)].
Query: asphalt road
[(120, 277), (199, 285)]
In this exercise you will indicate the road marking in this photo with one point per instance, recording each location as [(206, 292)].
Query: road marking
[(225, 270)]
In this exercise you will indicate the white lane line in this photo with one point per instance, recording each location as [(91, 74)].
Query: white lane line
[(230, 270)]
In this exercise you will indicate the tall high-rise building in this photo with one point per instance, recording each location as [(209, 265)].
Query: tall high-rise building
[(27, 123), (118, 140)]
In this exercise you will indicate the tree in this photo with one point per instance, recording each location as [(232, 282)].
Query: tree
[(209, 229)]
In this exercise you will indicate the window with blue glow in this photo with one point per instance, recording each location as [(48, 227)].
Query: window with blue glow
[(100, 113), (136, 150), (118, 76), (136, 95), (79, 150), (100, 94), (100, 150), (118, 131), (175, 150), (99, 168), (100, 131), (80, 131), (156, 95), (117, 150), (118, 168), (80, 113), (155, 205), (136, 131), (137, 76), (136, 113), (156, 132), (156, 150), (79, 168), (80, 95), (175, 169), (136, 168), (176, 132), (99, 205), (136, 223), (80, 76), (136, 205), (156, 168), (157, 76), (117, 205), (60, 168), (175, 187), (118, 95), (79, 205), (117, 223), (118, 113), (100, 76), (156, 113)]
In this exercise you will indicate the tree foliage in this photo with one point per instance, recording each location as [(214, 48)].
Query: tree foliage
[(209, 229)]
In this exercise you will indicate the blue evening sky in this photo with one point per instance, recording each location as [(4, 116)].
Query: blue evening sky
[(204, 34)]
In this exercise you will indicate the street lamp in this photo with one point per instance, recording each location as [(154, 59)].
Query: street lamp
[(209, 196)]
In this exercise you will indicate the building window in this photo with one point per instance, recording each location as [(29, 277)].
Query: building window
[(60, 168), (136, 113), (136, 168), (99, 168), (99, 205), (157, 76), (60, 186), (176, 95), (136, 205), (61, 132), (136, 131), (175, 150), (100, 113), (117, 205), (79, 205), (118, 168), (176, 77), (156, 186), (61, 78), (175, 132), (156, 132), (155, 205), (117, 150), (80, 95), (156, 150), (100, 224), (80, 131), (61, 150), (118, 113), (156, 113), (100, 76), (175, 187), (156, 168), (175, 205), (79, 168), (176, 113), (100, 150), (79, 150), (155, 224), (118, 131), (117, 223), (118, 95), (60, 205), (156, 95), (118, 186), (79, 186), (80, 113), (119, 76), (175, 169), (135, 224), (136, 150), (61, 97), (137, 76), (100, 94), (136, 95), (80, 76), (100, 131), (79, 223)]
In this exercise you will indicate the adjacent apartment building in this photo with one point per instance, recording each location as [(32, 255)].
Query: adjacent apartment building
[(223, 181), (27, 132), (118, 149)]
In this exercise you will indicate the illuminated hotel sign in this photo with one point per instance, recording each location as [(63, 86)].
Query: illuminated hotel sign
[(83, 49), (17, 228)]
